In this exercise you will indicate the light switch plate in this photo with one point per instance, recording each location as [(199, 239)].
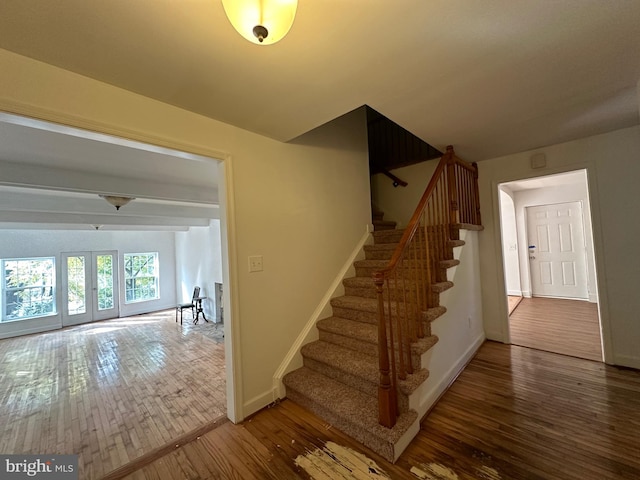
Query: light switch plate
[(255, 263)]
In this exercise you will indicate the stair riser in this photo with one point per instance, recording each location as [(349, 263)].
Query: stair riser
[(382, 226), (372, 317), (365, 347), (353, 381), (350, 342), (357, 315), (387, 236), (385, 449), (373, 254), (364, 270), (370, 292)]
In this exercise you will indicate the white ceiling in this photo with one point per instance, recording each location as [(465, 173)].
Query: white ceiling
[(172, 190), (490, 77)]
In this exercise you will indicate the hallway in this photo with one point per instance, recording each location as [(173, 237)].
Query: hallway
[(569, 327)]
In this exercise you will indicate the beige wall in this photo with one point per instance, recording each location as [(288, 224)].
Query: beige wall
[(303, 206), (399, 203), (613, 171)]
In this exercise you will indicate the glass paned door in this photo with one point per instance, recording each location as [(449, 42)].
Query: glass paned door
[(76, 288), (77, 292), (105, 285), (90, 287)]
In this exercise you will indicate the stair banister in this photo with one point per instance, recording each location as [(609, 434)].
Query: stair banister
[(451, 198)]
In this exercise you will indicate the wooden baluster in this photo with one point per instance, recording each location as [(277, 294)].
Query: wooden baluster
[(387, 403), (423, 269), (402, 323), (478, 220), (453, 195)]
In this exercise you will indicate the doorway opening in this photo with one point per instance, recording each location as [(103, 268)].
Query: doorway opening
[(114, 278), (549, 265)]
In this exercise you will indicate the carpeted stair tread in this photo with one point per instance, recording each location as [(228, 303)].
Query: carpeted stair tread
[(366, 332), (353, 412), (356, 303), (467, 226), (449, 263), (381, 251), (383, 225), (359, 282), (387, 236), (381, 264), (365, 282), (456, 243), (433, 313), (440, 287), (358, 364), (363, 337)]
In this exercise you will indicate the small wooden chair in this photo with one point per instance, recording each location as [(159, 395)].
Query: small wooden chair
[(191, 305)]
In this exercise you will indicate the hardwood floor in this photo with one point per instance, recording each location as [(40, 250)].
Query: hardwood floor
[(110, 391), (514, 413), (569, 327)]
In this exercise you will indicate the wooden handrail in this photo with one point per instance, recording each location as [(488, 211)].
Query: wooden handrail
[(404, 288), (410, 231), (396, 181)]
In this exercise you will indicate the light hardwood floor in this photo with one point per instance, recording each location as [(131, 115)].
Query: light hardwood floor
[(569, 327), (110, 391), (514, 413)]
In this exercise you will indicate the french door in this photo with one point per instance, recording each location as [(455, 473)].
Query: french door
[(90, 286)]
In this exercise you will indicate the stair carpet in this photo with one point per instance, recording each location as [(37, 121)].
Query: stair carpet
[(340, 376)]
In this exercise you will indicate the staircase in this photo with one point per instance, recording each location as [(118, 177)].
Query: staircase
[(341, 376)]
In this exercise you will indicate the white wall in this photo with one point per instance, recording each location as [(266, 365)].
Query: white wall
[(510, 243), (399, 203), (39, 243), (302, 205), (613, 171), (199, 262), (460, 330)]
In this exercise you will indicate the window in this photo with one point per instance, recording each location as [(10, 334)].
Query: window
[(141, 275), (28, 288)]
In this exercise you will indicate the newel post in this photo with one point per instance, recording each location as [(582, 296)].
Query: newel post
[(454, 209), (386, 394)]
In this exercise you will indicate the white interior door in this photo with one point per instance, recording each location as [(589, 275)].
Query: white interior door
[(90, 287), (557, 251)]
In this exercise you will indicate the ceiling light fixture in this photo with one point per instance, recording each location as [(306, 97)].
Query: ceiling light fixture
[(117, 201), (263, 22)]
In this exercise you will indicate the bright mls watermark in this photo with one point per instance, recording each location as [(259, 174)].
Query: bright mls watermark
[(51, 467)]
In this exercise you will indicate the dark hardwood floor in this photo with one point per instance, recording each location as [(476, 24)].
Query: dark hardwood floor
[(569, 327), (514, 413)]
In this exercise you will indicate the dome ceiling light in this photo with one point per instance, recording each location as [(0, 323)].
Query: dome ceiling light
[(263, 22)]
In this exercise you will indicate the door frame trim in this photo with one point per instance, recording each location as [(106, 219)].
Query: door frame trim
[(598, 249)]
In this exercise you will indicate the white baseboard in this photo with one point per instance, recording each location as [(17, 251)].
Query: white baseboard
[(293, 359), (514, 293), (257, 403), (29, 331), (496, 336), (627, 361), (432, 396)]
